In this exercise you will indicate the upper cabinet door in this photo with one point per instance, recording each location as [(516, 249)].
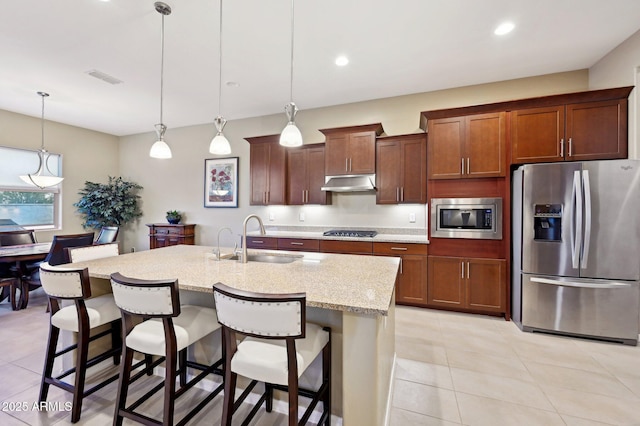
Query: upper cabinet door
[(596, 130), (414, 169), (305, 176), (401, 169), (484, 146), (315, 177), (388, 172), (446, 136), (537, 135), (336, 157), (296, 176), (351, 150), (268, 171), (362, 153)]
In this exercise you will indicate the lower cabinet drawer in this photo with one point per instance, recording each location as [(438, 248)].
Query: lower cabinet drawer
[(399, 249), (298, 244), (346, 247), (262, 243)]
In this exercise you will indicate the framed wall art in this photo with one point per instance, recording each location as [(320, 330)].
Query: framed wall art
[(221, 182)]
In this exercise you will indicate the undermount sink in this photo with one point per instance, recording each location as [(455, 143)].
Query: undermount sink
[(270, 258)]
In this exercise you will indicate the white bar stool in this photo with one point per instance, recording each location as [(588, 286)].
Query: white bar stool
[(279, 348), (155, 324)]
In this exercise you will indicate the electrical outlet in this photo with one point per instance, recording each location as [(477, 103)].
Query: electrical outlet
[(412, 218), (133, 249), (272, 216), (301, 216)]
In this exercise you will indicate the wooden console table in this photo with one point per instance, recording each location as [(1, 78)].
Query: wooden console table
[(165, 234)]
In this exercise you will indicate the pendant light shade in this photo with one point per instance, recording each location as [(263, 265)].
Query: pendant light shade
[(219, 144), (291, 135), (43, 177), (160, 149)]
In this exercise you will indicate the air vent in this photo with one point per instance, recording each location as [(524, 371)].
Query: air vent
[(104, 77)]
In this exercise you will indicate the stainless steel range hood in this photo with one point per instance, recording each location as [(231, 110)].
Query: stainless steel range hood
[(350, 183)]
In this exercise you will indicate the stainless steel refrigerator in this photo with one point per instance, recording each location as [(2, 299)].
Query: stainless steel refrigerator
[(576, 249)]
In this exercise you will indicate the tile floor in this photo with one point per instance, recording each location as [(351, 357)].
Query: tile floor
[(452, 369)]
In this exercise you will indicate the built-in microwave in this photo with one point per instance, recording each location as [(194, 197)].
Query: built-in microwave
[(466, 218)]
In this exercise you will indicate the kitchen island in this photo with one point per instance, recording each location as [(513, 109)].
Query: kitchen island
[(351, 294)]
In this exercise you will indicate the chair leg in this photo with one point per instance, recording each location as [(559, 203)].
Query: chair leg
[(293, 401), (268, 391), (182, 366), (116, 340), (123, 386), (24, 295), (12, 295), (326, 378), (148, 360), (54, 332), (82, 352), (169, 389), (230, 379)]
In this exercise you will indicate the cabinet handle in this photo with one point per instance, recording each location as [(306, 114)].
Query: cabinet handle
[(346, 164), (570, 144), (462, 166), (468, 270), (562, 147), (268, 196), (399, 248), (293, 243), (397, 194), (468, 162), (401, 266), (307, 195), (402, 193), (462, 270), (350, 165), (257, 242)]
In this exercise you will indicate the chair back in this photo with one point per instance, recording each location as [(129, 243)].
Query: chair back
[(81, 254), (146, 298), (65, 283), (108, 234), (56, 254), (270, 316), (16, 238)]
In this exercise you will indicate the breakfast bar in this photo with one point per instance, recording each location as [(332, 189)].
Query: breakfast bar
[(351, 294)]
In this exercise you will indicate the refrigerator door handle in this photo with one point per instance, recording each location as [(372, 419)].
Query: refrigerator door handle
[(577, 284), (587, 219), (576, 223)]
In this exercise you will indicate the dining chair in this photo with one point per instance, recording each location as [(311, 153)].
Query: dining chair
[(56, 256), (14, 238), (8, 287), (154, 323), (279, 346), (82, 316), (108, 234)]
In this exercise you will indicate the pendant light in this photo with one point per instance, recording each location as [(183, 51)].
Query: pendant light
[(291, 135), (219, 144), (160, 149), (43, 177)]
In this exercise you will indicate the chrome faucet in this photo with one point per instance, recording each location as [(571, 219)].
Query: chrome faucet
[(244, 235), (218, 254)]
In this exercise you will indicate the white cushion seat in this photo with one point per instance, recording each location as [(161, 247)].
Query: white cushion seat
[(193, 323), (101, 310), (265, 360)]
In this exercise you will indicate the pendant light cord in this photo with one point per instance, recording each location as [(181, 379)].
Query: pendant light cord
[(161, 66), (220, 65), (43, 95), (291, 73)]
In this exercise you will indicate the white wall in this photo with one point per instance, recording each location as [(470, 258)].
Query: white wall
[(179, 183), (621, 67), (86, 155)]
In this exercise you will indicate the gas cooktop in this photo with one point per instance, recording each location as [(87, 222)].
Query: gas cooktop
[(350, 233)]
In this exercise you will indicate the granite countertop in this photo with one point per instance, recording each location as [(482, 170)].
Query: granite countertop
[(354, 283), (385, 235)]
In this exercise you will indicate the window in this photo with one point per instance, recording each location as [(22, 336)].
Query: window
[(24, 204)]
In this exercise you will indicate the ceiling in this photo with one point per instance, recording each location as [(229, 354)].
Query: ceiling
[(395, 48)]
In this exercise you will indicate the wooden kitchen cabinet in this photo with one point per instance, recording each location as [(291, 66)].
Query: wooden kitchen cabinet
[(260, 242), (572, 132), (346, 247), (298, 244), (305, 176), (351, 150), (467, 283), (471, 146), (164, 234), (267, 170), (401, 169), (411, 286)]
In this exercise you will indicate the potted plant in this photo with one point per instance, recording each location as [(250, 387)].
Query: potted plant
[(115, 203), (174, 217)]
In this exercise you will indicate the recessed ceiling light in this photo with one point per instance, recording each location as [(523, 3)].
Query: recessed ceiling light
[(504, 28), (341, 61)]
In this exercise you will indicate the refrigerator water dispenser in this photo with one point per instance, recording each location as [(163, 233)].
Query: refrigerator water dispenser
[(547, 222)]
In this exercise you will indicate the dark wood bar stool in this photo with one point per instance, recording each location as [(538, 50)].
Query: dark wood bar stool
[(84, 315), (155, 324), (279, 347)]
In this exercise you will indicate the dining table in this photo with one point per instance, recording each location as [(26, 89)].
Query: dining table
[(24, 253)]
